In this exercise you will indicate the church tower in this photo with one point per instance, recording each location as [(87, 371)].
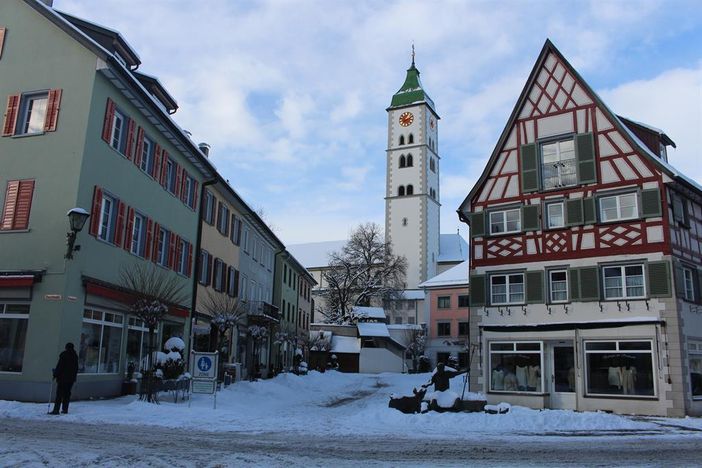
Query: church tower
[(412, 179)]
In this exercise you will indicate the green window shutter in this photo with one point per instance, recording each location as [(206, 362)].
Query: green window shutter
[(698, 285), (589, 283), (530, 218), (678, 275), (477, 224), (535, 287), (651, 203), (477, 290), (589, 211), (585, 154), (574, 284), (530, 168), (659, 279), (574, 212)]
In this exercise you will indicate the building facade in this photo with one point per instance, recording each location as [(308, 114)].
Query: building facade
[(584, 258), (83, 129), (448, 317)]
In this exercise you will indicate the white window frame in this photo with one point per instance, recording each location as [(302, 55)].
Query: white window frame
[(182, 260), (513, 351), (205, 262), (586, 366), (107, 214), (26, 113), (549, 216), (171, 175), (162, 247), (147, 152), (504, 222), (618, 207), (623, 288), (104, 323), (508, 293), (189, 197), (117, 131), (559, 163), (137, 247), (551, 289), (137, 325)]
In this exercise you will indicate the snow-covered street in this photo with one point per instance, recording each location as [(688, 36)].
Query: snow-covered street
[(320, 418)]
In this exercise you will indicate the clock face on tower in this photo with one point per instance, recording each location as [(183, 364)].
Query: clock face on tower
[(406, 119)]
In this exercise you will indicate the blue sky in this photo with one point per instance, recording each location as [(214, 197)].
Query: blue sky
[(292, 95)]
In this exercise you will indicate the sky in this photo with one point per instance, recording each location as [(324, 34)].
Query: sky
[(292, 96)]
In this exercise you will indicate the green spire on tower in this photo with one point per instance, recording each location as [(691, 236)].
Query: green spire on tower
[(411, 91)]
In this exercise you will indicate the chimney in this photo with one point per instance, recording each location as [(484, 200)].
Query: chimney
[(205, 148)]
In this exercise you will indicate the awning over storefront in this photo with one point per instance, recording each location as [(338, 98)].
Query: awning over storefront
[(97, 291), (18, 285), (556, 326)]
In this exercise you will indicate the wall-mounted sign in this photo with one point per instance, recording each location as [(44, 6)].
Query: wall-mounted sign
[(52, 297)]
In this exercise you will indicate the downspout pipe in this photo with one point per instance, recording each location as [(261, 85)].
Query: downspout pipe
[(196, 260)]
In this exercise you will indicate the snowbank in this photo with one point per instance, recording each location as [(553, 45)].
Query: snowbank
[(332, 403)]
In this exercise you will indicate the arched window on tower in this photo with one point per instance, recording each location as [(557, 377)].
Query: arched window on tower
[(410, 189), (409, 160), (401, 191), (410, 140), (432, 165), (402, 139), (403, 162)]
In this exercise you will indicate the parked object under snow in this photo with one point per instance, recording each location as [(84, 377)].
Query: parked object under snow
[(500, 408)]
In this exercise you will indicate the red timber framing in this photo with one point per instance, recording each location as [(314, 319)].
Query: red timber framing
[(117, 294), (554, 91)]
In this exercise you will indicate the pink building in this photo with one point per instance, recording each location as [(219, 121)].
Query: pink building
[(447, 315)]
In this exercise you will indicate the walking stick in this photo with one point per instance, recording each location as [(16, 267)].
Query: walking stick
[(51, 392)]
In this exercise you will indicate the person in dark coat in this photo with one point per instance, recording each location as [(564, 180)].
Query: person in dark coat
[(65, 374), (441, 377)]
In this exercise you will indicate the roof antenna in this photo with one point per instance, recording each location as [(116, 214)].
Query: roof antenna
[(412, 53)]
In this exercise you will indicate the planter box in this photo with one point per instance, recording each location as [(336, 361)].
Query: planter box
[(473, 406)]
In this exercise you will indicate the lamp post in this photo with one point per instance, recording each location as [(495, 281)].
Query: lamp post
[(77, 218)]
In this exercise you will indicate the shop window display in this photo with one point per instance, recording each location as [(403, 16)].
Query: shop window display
[(619, 368), (13, 335), (515, 367), (696, 368), (100, 342)]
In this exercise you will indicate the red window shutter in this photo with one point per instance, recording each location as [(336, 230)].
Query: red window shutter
[(164, 168), (139, 147), (179, 179), (149, 238), (52, 110), (24, 204), (8, 128), (130, 139), (154, 248), (8, 212), (2, 39), (128, 233), (119, 226), (156, 168), (196, 193), (107, 123), (189, 265), (95, 214)]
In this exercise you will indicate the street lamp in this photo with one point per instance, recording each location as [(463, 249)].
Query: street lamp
[(77, 218)]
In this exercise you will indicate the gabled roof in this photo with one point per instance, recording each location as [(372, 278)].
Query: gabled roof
[(617, 122), (157, 89), (455, 276), (411, 91)]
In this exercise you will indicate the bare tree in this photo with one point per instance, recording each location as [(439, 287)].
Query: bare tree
[(365, 269), (226, 312), (416, 341), (154, 290), (286, 335)]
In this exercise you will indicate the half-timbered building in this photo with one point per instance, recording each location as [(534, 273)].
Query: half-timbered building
[(584, 258)]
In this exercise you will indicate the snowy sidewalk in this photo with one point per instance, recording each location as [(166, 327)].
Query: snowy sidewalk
[(340, 404)]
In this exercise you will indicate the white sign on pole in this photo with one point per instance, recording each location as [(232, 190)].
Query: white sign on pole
[(204, 365), (204, 386)]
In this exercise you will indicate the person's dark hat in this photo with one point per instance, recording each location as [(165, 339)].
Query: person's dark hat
[(69, 346), (440, 366)]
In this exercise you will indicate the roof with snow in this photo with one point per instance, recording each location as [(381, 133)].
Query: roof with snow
[(454, 276), (315, 254), (373, 329), (452, 248), (376, 313), (345, 344), (413, 294)]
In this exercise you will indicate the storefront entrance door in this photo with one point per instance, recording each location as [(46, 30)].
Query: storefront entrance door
[(562, 375)]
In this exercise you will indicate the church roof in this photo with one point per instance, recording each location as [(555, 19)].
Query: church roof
[(411, 91), (452, 248)]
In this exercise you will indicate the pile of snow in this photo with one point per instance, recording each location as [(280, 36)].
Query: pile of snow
[(330, 403), (174, 343), (446, 399)]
